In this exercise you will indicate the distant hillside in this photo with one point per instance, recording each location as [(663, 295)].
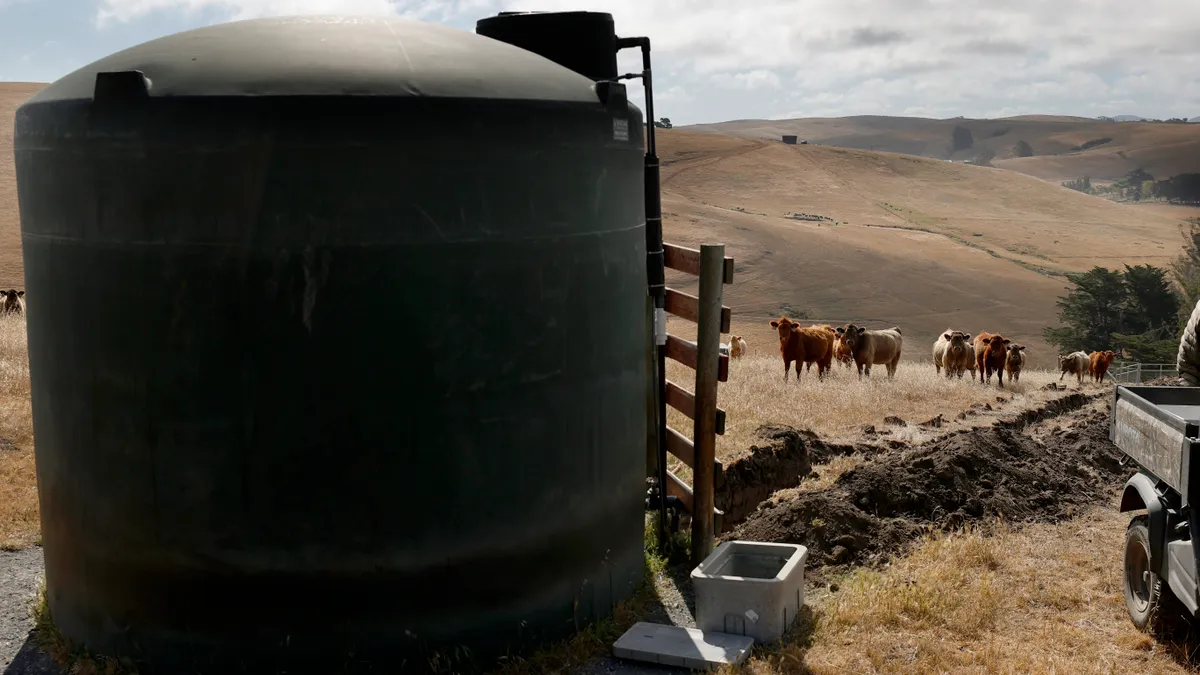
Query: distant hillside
[(12, 95), (1062, 148), (888, 239)]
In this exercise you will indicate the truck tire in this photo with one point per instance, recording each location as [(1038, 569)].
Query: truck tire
[(1188, 358), (1151, 603)]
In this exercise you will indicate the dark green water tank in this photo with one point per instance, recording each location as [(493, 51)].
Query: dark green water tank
[(339, 352)]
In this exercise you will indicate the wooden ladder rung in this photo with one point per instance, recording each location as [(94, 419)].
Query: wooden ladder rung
[(687, 260), (683, 448), (677, 488), (687, 307), (682, 400), (684, 352)]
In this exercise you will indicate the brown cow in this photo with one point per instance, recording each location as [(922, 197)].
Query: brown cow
[(840, 352), (832, 337), (802, 345), (14, 302), (953, 352), (1015, 362), (1075, 363), (872, 347), (843, 354), (991, 352), (1098, 363)]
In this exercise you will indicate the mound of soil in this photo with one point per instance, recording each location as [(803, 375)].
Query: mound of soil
[(875, 509), (834, 530), (780, 459)]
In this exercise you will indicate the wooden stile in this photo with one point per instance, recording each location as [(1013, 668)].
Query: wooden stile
[(700, 405)]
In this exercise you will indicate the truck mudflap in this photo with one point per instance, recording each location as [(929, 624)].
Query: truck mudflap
[(1141, 493)]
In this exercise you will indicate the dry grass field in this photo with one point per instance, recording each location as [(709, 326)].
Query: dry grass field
[(1162, 149), (1043, 599), (838, 407), (19, 525)]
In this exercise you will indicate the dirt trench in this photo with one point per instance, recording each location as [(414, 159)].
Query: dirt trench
[(784, 456), (875, 510)]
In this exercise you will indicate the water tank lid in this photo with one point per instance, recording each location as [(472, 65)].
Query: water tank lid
[(332, 56)]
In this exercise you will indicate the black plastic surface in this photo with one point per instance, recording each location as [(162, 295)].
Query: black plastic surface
[(585, 42), (334, 379)]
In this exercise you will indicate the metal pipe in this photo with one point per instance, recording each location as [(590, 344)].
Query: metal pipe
[(655, 262)]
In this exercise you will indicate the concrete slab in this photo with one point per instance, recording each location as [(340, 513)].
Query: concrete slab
[(681, 647)]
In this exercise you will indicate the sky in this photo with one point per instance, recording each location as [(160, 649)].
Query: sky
[(773, 59)]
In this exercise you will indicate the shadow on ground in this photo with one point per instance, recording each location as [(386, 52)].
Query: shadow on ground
[(31, 660)]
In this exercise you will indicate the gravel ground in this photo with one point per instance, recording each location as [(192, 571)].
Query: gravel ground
[(19, 576)]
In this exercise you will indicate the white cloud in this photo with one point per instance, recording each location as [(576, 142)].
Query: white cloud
[(750, 80), (719, 60)]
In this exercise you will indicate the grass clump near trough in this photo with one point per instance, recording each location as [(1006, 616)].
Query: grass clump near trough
[(19, 519), (73, 660)]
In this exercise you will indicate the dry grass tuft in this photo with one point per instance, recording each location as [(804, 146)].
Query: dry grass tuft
[(1041, 599), (19, 522), (596, 641), (73, 659), (840, 406)]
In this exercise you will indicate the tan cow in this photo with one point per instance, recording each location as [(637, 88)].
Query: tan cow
[(1015, 362), (991, 351), (952, 351), (802, 345), (1098, 363), (872, 347), (14, 301), (737, 347), (1075, 363)]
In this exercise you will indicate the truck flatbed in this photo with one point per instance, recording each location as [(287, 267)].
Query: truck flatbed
[(1158, 428)]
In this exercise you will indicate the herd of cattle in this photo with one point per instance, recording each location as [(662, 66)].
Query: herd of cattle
[(955, 351)]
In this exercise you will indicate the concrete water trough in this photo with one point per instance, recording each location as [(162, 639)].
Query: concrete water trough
[(750, 588)]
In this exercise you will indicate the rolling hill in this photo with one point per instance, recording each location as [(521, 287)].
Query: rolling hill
[(1162, 149), (884, 239), (902, 240), (12, 95)]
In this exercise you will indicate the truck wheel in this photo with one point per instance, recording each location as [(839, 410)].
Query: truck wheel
[(1147, 597)]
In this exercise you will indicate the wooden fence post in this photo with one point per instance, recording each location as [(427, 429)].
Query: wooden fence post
[(704, 436)]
